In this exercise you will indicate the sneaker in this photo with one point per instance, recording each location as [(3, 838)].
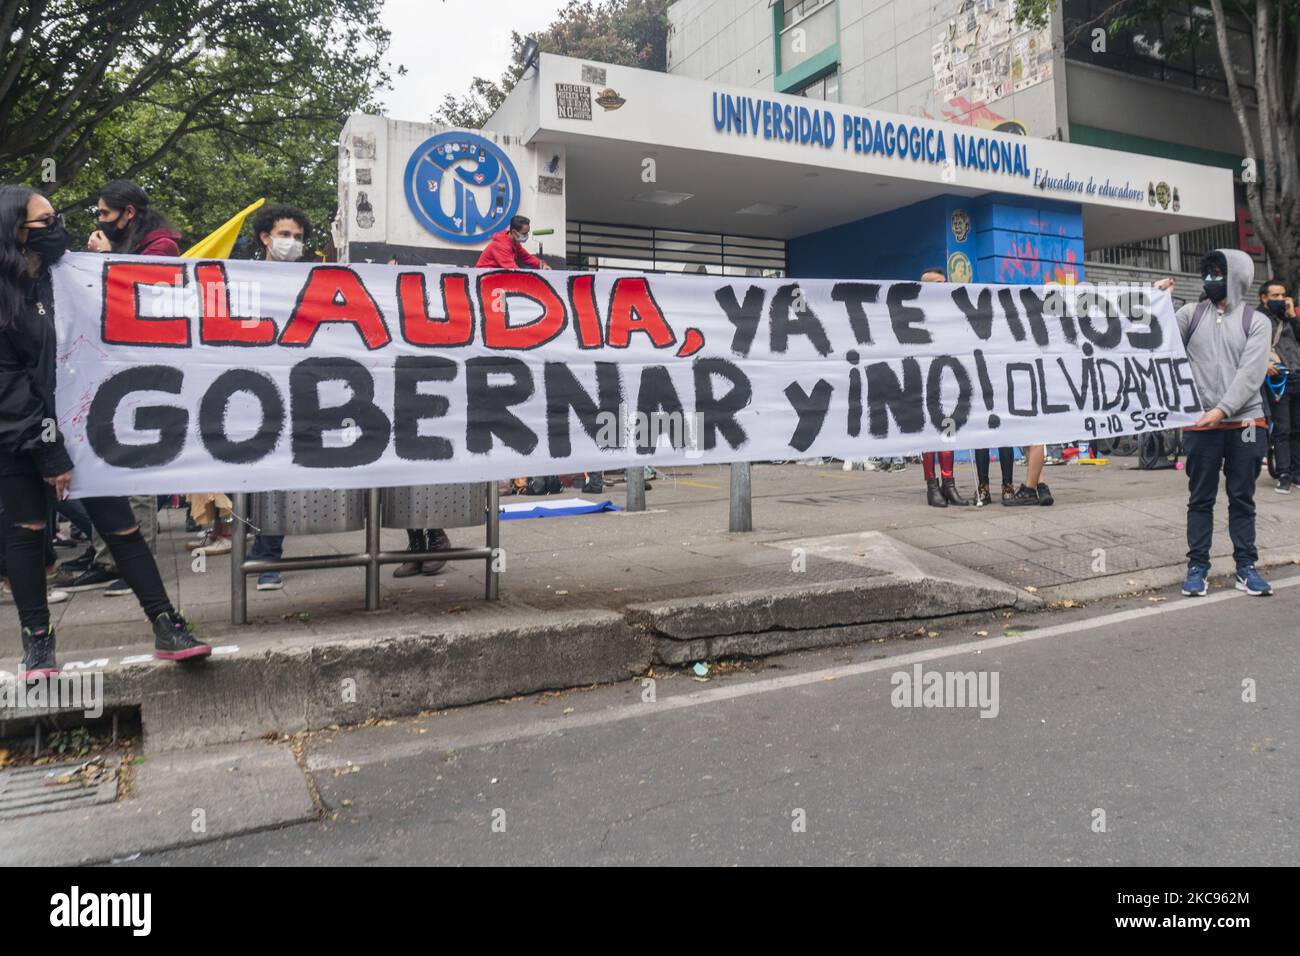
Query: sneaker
[(1024, 496), (218, 545), (174, 640), (898, 466), (1045, 495), (88, 580), (56, 597), (438, 542), (38, 654), (59, 541), (81, 562), (118, 588), (1195, 585), (871, 465), (269, 581), (201, 542), (1248, 580), (1283, 486)]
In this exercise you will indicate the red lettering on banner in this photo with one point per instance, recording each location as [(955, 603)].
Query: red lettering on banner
[(335, 294), (495, 288), (122, 323), (418, 327), (216, 327), (582, 293), (633, 309)]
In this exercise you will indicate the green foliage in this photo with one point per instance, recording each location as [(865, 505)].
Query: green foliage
[(623, 32)]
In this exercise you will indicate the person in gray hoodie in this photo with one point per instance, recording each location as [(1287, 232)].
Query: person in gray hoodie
[(1227, 343)]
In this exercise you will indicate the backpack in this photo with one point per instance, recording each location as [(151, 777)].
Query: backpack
[(1152, 454), (1203, 309)]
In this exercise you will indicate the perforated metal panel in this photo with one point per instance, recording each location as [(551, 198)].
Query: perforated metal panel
[(434, 506), (308, 512)]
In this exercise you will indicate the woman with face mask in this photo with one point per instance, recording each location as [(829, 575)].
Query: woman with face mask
[(34, 465)]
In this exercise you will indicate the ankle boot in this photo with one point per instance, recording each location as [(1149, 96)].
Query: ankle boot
[(933, 496), (951, 494), (983, 496)]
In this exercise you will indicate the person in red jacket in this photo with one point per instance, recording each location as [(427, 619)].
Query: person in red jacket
[(127, 223), (505, 250)]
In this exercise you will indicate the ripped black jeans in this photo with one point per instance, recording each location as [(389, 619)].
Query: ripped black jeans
[(27, 500)]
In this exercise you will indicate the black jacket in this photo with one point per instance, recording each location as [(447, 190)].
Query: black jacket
[(27, 372)]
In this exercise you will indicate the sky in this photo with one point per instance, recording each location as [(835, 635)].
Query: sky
[(446, 43)]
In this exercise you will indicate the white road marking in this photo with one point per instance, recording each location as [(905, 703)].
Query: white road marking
[(677, 702)]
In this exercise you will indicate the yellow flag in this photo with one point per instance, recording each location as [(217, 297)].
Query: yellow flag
[(220, 242)]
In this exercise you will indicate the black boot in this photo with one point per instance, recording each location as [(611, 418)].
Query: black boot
[(415, 544), (173, 640), (436, 540), (38, 654), (951, 494), (933, 496), (983, 496)]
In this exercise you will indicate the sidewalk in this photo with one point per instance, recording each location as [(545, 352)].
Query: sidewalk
[(836, 557)]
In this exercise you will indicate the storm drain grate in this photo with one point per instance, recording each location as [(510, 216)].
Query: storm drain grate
[(28, 790)]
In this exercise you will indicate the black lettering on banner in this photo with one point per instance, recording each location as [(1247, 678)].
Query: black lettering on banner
[(718, 414), (359, 413), (854, 295), (657, 399), (215, 405), (1012, 315), (1047, 406), (934, 394), (411, 406), (1079, 394), (170, 422), (979, 314), (986, 381), (811, 409), (1106, 338), (1107, 403), (1148, 376), (887, 397), (564, 393), (1033, 306), (487, 406), (1012, 369), (743, 317), (804, 322), (1134, 385), (904, 317), (1182, 374), (1154, 335)]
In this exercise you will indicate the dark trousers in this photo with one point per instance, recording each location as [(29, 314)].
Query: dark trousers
[(267, 547), (1286, 432), (1237, 454), (1006, 461)]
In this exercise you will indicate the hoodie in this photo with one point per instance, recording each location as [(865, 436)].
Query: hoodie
[(159, 242), (1228, 365), (503, 251)]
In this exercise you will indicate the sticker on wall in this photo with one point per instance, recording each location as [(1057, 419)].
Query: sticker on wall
[(1177, 202), (550, 185), (572, 101), (609, 99), (1151, 194), (1162, 195), (593, 74), (363, 176), (960, 224), (959, 268), (365, 212)]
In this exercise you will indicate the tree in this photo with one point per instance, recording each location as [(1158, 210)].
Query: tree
[(1270, 130), (179, 93), (623, 32)]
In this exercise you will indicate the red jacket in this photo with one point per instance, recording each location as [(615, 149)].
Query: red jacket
[(160, 242), (504, 252)]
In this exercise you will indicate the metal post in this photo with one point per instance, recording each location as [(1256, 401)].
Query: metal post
[(742, 515), (635, 489), (238, 552), (492, 582), (373, 528)]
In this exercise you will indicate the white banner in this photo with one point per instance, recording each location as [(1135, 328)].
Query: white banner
[(182, 375)]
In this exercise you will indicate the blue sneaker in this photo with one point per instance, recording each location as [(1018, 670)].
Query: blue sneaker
[(1195, 585), (1248, 580), (269, 581)]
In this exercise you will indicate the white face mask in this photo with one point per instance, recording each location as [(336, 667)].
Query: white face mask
[(285, 249)]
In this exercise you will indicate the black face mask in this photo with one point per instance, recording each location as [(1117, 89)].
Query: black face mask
[(1276, 307), (113, 231), (48, 244), (1216, 289)]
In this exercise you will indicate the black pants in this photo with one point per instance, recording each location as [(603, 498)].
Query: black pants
[(1286, 432), (1006, 461), (27, 499), (1237, 453)]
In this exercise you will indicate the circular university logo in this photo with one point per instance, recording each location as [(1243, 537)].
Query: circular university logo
[(461, 187)]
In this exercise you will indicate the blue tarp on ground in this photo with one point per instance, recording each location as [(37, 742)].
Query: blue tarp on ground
[(555, 509)]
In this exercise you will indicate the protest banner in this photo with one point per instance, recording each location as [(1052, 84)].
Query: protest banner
[(248, 376)]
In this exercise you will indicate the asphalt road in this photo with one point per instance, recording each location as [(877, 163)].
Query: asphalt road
[(1132, 707)]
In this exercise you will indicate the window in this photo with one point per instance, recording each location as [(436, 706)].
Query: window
[(823, 88), (795, 10), (1147, 50), (808, 29)]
